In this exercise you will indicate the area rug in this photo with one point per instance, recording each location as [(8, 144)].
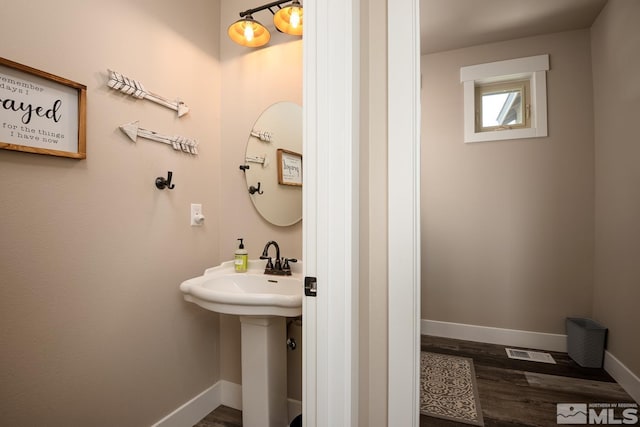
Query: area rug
[(448, 388)]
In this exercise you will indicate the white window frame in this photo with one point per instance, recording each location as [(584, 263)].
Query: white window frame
[(534, 69)]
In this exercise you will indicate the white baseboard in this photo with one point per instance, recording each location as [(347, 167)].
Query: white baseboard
[(195, 409), (294, 408), (221, 393), (510, 337), (623, 376), (231, 395)]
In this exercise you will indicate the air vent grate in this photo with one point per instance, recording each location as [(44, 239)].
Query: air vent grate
[(532, 356)]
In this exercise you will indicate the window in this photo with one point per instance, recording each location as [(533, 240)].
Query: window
[(506, 99), (503, 106)]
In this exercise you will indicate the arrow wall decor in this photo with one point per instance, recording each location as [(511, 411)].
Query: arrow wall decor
[(133, 131), (262, 136), (258, 159), (135, 88)]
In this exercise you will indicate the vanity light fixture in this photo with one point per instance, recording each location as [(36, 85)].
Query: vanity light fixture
[(249, 32), (289, 19)]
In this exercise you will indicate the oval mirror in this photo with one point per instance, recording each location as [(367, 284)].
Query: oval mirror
[(274, 158)]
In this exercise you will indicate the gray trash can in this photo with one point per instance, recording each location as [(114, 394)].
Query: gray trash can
[(585, 341)]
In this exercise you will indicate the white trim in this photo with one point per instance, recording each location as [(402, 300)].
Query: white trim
[(539, 103), (403, 232), (231, 395), (533, 68), (504, 68), (294, 408), (486, 334), (221, 393), (623, 375), (195, 409), (330, 210), (310, 129)]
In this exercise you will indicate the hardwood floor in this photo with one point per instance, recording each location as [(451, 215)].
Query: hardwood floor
[(522, 393), (223, 416), (512, 392)]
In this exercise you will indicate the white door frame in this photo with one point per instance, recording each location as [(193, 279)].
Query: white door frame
[(330, 211), (330, 198), (403, 32)]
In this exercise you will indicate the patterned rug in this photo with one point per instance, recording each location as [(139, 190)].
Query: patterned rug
[(448, 388)]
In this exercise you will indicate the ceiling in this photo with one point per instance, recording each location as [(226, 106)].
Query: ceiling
[(453, 24)]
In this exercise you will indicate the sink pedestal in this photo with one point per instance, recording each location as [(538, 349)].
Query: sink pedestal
[(264, 371), (263, 302)]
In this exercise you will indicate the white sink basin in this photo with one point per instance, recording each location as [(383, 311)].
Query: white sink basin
[(252, 293), (262, 302)]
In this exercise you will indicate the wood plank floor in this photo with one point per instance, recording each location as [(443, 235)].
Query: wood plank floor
[(522, 393), (223, 416), (512, 392)]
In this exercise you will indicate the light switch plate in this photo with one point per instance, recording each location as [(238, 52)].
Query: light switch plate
[(197, 219)]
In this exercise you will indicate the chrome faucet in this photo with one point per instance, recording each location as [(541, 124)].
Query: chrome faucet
[(277, 267)]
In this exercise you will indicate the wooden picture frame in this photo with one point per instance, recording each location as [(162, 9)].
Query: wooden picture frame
[(41, 113), (289, 168)]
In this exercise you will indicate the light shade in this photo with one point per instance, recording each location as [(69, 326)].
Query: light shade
[(289, 19), (249, 32)]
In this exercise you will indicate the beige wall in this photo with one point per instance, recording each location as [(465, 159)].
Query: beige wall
[(373, 339), (507, 227), (94, 329), (373, 336), (253, 80), (615, 38)]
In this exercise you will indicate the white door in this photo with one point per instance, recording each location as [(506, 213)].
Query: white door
[(330, 212)]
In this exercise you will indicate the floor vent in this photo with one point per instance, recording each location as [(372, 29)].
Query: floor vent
[(532, 356)]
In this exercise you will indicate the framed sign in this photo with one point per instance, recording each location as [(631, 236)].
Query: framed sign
[(289, 168), (41, 113)]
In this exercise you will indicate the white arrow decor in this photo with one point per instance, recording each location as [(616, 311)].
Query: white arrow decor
[(262, 136), (179, 143), (134, 88), (264, 161)]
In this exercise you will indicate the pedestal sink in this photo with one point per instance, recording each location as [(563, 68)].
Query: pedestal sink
[(262, 302)]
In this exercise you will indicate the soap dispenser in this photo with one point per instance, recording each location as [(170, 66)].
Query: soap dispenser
[(241, 259)]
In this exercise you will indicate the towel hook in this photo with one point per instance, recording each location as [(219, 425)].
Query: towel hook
[(161, 182), (254, 190)]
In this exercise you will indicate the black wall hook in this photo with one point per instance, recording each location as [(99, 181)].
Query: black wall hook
[(244, 168), (161, 183), (254, 190)]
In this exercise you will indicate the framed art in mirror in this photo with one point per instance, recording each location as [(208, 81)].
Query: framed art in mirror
[(289, 168)]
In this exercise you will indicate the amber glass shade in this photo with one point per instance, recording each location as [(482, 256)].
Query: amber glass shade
[(289, 19), (249, 32)]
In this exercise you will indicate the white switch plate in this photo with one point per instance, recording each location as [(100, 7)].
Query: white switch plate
[(196, 210)]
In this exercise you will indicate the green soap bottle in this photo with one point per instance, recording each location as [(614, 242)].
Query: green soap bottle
[(241, 259)]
